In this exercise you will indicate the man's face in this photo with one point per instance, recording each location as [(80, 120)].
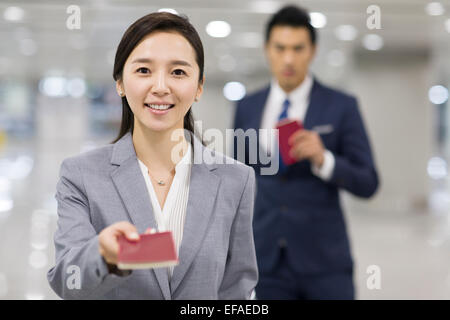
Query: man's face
[(289, 51)]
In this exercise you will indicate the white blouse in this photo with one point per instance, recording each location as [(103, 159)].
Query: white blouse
[(172, 216)]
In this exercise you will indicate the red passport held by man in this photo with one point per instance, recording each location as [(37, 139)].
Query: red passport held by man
[(154, 250), (286, 128)]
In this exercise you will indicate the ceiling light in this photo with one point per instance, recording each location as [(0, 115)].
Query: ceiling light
[(346, 32), (234, 91), (438, 94), (373, 42), (318, 20), (13, 14), (76, 87), (218, 29), (265, 6), (53, 86), (435, 9), (437, 168)]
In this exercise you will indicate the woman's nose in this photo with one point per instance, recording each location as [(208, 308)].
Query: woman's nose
[(159, 86)]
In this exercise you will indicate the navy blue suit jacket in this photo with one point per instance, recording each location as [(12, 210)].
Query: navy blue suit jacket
[(297, 210)]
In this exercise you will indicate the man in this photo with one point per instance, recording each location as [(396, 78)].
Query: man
[(302, 247)]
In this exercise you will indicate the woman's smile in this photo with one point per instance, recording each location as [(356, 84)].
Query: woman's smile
[(159, 108)]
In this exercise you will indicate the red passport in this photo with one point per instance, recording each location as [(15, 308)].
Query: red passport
[(286, 128), (154, 250)]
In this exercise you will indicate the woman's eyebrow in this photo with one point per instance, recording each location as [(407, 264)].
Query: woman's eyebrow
[(180, 63), (173, 62), (141, 60)]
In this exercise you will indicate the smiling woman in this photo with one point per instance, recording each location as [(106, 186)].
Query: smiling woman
[(147, 179)]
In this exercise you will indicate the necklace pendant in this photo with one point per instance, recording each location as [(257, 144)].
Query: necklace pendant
[(161, 183)]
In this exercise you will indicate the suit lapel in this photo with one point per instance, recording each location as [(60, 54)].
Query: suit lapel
[(202, 196), (256, 113), (316, 102), (132, 189)]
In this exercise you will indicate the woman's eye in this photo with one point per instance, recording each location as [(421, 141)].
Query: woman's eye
[(179, 72), (143, 70)]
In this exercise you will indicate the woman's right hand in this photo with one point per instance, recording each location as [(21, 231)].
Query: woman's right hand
[(108, 243)]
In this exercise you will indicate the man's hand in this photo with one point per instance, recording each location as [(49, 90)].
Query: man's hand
[(306, 144)]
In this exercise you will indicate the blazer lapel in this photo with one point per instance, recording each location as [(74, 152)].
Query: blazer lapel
[(202, 196), (132, 189)]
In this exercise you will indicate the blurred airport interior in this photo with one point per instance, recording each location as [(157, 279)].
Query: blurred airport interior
[(58, 98)]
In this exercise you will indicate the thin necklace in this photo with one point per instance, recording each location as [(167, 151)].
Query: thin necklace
[(160, 182)]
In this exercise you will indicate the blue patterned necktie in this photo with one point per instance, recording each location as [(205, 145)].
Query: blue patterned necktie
[(284, 112), (283, 115)]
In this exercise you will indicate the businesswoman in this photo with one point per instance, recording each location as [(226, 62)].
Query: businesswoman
[(149, 179)]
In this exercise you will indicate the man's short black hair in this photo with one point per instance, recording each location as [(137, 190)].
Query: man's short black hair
[(291, 16)]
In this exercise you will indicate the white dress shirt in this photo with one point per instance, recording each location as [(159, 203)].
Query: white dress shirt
[(172, 216), (299, 99)]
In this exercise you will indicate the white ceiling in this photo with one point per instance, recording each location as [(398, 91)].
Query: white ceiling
[(405, 28)]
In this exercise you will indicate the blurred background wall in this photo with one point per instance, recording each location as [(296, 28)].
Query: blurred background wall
[(57, 98)]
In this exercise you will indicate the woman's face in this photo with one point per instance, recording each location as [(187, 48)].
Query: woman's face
[(160, 81)]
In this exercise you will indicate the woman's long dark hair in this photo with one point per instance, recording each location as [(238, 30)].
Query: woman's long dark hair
[(158, 21)]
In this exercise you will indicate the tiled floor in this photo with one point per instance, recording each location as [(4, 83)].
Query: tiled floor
[(410, 249)]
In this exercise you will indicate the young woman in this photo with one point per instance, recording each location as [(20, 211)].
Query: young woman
[(147, 179)]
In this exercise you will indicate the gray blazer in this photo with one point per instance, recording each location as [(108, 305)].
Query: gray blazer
[(105, 186)]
